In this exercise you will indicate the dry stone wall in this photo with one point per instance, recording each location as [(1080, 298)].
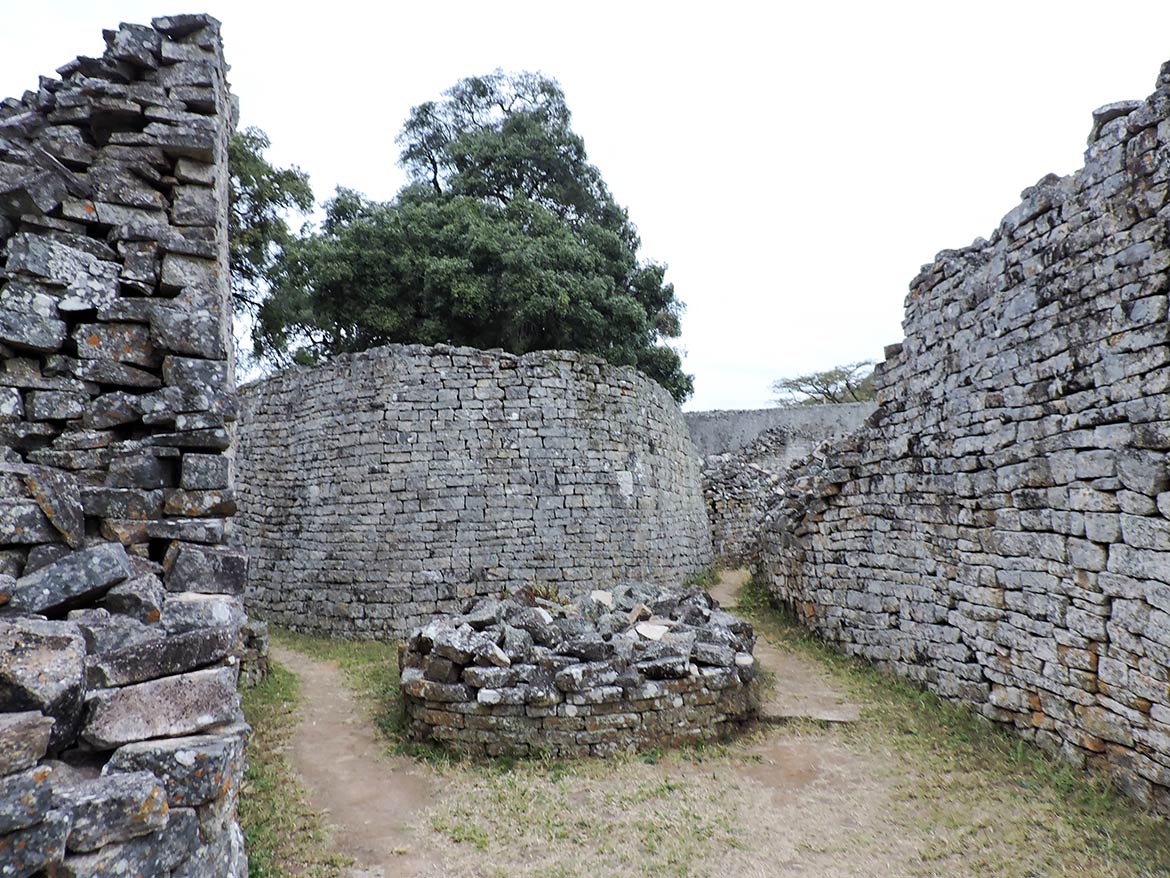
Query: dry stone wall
[(1000, 531), (803, 427), (746, 455), (616, 670), (384, 487), (121, 629)]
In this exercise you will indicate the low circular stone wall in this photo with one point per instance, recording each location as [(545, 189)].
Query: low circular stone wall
[(631, 668)]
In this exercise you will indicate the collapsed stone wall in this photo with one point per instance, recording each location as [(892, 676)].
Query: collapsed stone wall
[(805, 427), (1000, 531), (617, 670), (747, 454), (384, 487), (121, 738)]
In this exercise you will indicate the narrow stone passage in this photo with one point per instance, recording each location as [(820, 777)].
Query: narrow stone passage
[(370, 799)]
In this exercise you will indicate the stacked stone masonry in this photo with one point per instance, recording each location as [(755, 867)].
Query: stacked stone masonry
[(632, 668), (121, 627), (804, 427), (1000, 530), (384, 487), (741, 485)]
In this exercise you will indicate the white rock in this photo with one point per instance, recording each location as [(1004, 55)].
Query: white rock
[(651, 631)]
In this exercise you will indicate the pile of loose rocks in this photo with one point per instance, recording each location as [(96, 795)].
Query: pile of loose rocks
[(630, 668)]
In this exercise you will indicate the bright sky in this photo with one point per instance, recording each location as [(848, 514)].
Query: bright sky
[(793, 164)]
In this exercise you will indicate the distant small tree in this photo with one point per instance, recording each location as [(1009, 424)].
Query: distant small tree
[(851, 382)]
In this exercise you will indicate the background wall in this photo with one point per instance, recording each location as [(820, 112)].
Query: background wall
[(746, 455), (1001, 530), (383, 487)]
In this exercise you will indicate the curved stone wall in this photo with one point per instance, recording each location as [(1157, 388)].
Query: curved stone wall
[(383, 487), (1000, 529)]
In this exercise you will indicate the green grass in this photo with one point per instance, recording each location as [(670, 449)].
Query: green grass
[(284, 835), (980, 792)]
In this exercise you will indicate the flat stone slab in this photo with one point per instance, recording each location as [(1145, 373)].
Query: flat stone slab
[(24, 739), (76, 576), (166, 708)]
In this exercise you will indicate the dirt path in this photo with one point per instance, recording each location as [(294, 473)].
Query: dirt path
[(802, 690), (369, 798)]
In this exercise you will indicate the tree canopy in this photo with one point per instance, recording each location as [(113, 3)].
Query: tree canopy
[(260, 197), (851, 382), (504, 237)]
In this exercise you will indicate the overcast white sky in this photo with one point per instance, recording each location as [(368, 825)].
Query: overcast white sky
[(794, 165)]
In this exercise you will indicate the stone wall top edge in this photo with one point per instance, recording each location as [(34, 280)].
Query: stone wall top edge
[(1051, 185), (415, 352)]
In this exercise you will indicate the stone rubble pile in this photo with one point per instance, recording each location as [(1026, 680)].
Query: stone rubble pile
[(1000, 529), (632, 667), (121, 625)]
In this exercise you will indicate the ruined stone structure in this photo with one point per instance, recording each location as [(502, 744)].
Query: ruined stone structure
[(746, 456), (631, 668), (383, 487), (121, 738), (1000, 531)]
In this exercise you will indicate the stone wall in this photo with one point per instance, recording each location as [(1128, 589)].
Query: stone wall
[(744, 480), (384, 487), (121, 743), (804, 427), (1000, 531), (629, 668)]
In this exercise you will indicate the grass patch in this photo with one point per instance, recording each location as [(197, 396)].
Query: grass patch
[(985, 799), (284, 835)]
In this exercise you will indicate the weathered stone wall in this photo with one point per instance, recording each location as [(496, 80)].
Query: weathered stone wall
[(618, 670), (1001, 530), (805, 427), (747, 454), (121, 743), (384, 487)]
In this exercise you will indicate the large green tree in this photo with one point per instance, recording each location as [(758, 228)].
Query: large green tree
[(261, 196), (505, 237)]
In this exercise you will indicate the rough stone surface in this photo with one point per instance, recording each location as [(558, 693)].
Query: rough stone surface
[(600, 683), (109, 809), (998, 530), (24, 739), (383, 487), (42, 667), (195, 769), (116, 411), (163, 708)]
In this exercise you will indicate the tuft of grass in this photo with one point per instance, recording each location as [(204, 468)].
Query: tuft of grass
[(985, 798), (285, 837), (704, 578)]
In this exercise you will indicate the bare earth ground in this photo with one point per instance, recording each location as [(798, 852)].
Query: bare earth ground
[(825, 790), (367, 795)]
